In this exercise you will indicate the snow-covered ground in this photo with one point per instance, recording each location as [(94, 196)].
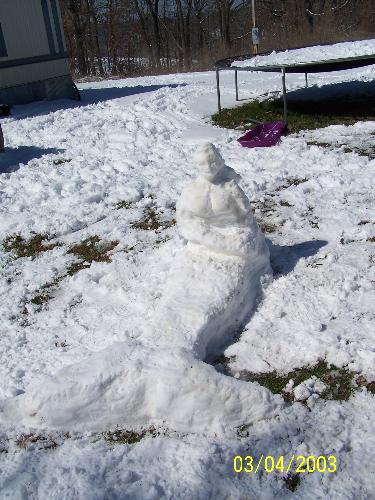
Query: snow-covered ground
[(91, 360)]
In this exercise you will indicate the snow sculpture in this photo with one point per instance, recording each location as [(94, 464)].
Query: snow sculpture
[(133, 385), (160, 379), (215, 281), (213, 211)]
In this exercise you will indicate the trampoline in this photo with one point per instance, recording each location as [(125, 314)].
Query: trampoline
[(323, 66)]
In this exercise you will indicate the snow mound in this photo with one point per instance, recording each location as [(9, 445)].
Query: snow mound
[(311, 54), (216, 279), (212, 288), (130, 384)]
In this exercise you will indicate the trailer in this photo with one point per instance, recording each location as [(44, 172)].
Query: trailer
[(34, 63)]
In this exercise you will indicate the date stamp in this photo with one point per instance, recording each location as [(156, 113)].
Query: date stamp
[(299, 464)]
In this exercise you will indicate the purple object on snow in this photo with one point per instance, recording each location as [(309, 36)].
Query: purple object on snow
[(263, 136)]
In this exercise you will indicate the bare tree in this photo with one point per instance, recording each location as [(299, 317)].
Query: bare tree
[(148, 14), (93, 19), (72, 12), (126, 37)]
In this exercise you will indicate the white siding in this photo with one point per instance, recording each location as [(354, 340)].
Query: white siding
[(24, 29), (33, 72), (33, 62)]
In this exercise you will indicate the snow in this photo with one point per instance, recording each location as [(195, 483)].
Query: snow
[(309, 388), (128, 384), (214, 212), (224, 246), (117, 346), (312, 54)]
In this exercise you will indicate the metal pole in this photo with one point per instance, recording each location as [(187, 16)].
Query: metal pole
[(284, 97), (236, 82), (254, 23), (307, 83), (2, 146), (218, 90)]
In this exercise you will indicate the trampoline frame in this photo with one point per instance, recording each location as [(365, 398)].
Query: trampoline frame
[(329, 65)]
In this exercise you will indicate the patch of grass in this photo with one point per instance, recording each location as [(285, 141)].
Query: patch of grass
[(266, 227), (92, 249), (292, 481), (76, 267), (89, 250), (344, 241), (362, 382), (40, 299), (339, 384), (123, 204), (21, 247), (26, 441), (122, 436), (327, 145), (160, 241), (339, 381), (284, 203), (60, 161), (364, 151), (303, 115), (45, 293), (317, 262), (292, 181), (265, 206), (311, 218), (129, 249), (360, 151), (61, 344), (272, 381), (151, 221), (4, 444)]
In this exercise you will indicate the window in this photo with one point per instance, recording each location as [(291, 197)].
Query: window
[(3, 47)]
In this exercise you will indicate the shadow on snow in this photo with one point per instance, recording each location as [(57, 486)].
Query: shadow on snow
[(285, 258), (283, 261), (344, 98), (12, 158)]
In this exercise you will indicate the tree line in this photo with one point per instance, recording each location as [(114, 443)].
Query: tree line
[(135, 37)]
